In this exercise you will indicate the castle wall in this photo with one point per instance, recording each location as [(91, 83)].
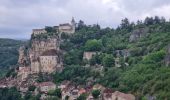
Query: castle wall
[(39, 31)]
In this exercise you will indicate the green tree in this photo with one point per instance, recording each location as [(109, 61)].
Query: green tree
[(93, 45), (95, 93), (108, 60), (31, 88), (82, 97)]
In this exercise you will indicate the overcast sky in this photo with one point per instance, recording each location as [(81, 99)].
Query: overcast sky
[(19, 17)]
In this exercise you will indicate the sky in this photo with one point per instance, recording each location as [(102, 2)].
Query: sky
[(19, 17)]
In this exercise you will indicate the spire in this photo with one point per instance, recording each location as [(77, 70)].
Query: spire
[(73, 21)]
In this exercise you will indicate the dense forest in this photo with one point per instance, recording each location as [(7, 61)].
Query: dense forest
[(8, 53), (142, 73)]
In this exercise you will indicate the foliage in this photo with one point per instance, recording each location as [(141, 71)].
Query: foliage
[(9, 53), (95, 93), (93, 45), (82, 97), (108, 60), (9, 94), (31, 88), (56, 92)]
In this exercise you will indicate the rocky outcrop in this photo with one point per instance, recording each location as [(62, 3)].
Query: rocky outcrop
[(138, 33), (23, 59), (88, 55), (45, 55)]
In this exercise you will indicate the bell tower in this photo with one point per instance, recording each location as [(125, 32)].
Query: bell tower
[(73, 24)]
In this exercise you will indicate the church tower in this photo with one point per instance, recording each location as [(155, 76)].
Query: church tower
[(73, 24)]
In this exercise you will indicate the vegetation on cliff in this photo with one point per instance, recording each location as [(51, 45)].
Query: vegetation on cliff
[(145, 73)]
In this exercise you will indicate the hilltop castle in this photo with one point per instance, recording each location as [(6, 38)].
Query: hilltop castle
[(62, 28)]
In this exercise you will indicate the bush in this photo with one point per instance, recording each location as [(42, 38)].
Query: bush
[(95, 93)]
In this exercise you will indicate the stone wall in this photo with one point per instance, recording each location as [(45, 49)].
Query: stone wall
[(38, 31), (48, 63)]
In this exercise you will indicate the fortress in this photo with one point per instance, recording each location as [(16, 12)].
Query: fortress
[(62, 28)]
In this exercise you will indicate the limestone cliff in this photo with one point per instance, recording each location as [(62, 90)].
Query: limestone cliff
[(43, 55)]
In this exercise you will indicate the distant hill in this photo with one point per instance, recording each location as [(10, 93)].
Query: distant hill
[(8, 53)]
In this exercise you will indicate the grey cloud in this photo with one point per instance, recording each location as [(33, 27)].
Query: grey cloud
[(19, 17)]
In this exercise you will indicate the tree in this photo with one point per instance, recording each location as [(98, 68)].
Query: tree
[(31, 88), (80, 24), (95, 93), (108, 60), (82, 97), (124, 23), (157, 20), (58, 93), (50, 29), (93, 45), (149, 21)]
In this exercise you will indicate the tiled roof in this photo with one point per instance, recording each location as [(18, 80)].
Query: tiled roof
[(46, 84)]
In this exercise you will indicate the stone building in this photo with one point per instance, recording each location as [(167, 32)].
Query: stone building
[(45, 55), (35, 66), (23, 72), (88, 55), (49, 61), (39, 31), (107, 94), (122, 96), (68, 28), (46, 86)]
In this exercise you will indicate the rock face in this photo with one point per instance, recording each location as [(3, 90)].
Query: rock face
[(88, 55), (23, 59), (44, 55), (138, 33)]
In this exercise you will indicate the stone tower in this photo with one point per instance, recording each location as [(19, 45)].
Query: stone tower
[(73, 24)]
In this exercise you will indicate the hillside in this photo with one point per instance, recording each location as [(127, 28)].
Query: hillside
[(134, 59), (8, 53), (142, 72)]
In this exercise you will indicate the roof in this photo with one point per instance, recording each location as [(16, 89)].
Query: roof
[(123, 95), (82, 90), (65, 82), (46, 84), (65, 24), (108, 90), (51, 52), (38, 29)]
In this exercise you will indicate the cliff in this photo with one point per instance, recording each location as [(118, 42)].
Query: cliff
[(42, 55)]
